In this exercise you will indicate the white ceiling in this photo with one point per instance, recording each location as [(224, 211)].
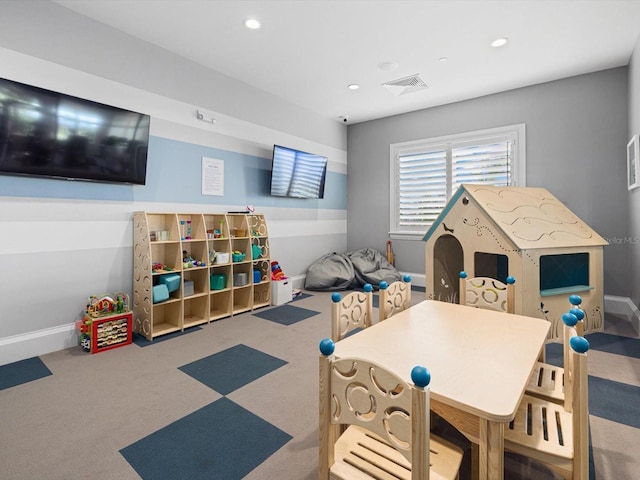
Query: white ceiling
[(307, 51)]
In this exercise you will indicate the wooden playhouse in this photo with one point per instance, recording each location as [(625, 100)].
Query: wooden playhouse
[(523, 232)]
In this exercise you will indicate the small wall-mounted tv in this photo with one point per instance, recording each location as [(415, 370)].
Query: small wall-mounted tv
[(50, 134), (297, 174)]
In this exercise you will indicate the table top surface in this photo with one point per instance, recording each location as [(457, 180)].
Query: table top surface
[(480, 360)]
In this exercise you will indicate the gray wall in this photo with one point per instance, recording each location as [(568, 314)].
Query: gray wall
[(633, 196), (576, 132)]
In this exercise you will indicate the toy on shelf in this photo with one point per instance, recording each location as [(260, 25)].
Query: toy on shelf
[(106, 323), (161, 267), (188, 261)]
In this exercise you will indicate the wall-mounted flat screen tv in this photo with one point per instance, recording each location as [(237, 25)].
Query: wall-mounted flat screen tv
[(297, 174), (50, 134)]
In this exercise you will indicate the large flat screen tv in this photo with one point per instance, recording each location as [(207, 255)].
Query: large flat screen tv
[(297, 174), (50, 134)]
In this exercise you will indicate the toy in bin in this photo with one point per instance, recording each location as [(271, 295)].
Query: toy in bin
[(276, 271)]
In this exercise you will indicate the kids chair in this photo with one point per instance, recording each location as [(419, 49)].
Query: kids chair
[(557, 435), (394, 297), (486, 292), (547, 381), (387, 424), (351, 312)]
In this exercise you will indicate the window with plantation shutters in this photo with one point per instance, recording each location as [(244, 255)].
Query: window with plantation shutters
[(425, 173)]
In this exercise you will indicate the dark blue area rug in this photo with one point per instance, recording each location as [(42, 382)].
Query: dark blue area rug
[(232, 368), (142, 341), (604, 342), (614, 401), (220, 441), (286, 314), (301, 296), (23, 371)]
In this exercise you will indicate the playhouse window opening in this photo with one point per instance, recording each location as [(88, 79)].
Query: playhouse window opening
[(564, 273), (424, 174), (491, 265)]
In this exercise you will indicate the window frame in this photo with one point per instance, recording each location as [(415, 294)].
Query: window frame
[(517, 133)]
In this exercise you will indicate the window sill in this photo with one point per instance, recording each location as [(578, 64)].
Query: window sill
[(406, 235), (565, 290)]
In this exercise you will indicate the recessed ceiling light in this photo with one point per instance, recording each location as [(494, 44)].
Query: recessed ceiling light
[(387, 66), (252, 23), (353, 86), (499, 42)]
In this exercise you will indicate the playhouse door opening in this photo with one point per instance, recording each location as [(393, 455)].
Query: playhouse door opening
[(448, 261)]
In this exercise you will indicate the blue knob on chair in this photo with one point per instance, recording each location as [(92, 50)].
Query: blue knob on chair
[(569, 319), (579, 344), (420, 376), (367, 287), (575, 299), (327, 346), (336, 297), (383, 285), (406, 278), (510, 280), (462, 274), (578, 312)]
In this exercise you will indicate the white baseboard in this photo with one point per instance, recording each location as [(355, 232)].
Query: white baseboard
[(623, 306), (34, 344)]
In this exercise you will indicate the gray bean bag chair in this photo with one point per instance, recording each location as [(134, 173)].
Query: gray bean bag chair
[(345, 271)]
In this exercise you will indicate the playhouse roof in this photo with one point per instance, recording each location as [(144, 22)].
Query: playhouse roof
[(530, 217)]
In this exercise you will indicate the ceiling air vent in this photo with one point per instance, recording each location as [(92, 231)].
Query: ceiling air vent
[(402, 86)]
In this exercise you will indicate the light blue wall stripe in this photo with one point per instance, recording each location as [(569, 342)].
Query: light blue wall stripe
[(174, 172)]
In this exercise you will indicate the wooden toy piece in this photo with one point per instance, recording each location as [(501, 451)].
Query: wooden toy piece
[(394, 297), (387, 423), (547, 381), (557, 435), (485, 292), (353, 311), (525, 232)]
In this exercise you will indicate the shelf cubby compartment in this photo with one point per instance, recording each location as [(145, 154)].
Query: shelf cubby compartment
[(191, 227), (261, 295), (196, 311), (197, 250), (162, 227), (216, 222), (219, 304), (238, 225), (200, 278), (219, 245), (264, 267), (257, 226), (260, 245), (167, 317), (242, 299), (167, 254), (242, 245)]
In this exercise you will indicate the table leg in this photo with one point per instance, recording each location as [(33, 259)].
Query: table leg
[(475, 461), (491, 450)]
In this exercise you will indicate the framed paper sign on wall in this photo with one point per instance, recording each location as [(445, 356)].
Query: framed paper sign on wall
[(633, 163)]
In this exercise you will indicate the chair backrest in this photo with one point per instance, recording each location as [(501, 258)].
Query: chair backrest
[(394, 297), (486, 292), (350, 312), (357, 392)]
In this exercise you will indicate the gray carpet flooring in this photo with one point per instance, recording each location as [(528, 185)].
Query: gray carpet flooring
[(84, 419)]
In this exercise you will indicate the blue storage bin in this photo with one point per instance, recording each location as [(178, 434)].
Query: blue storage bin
[(172, 281), (257, 276), (160, 293)]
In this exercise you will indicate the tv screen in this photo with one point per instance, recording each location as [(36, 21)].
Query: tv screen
[(297, 174), (51, 134)]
